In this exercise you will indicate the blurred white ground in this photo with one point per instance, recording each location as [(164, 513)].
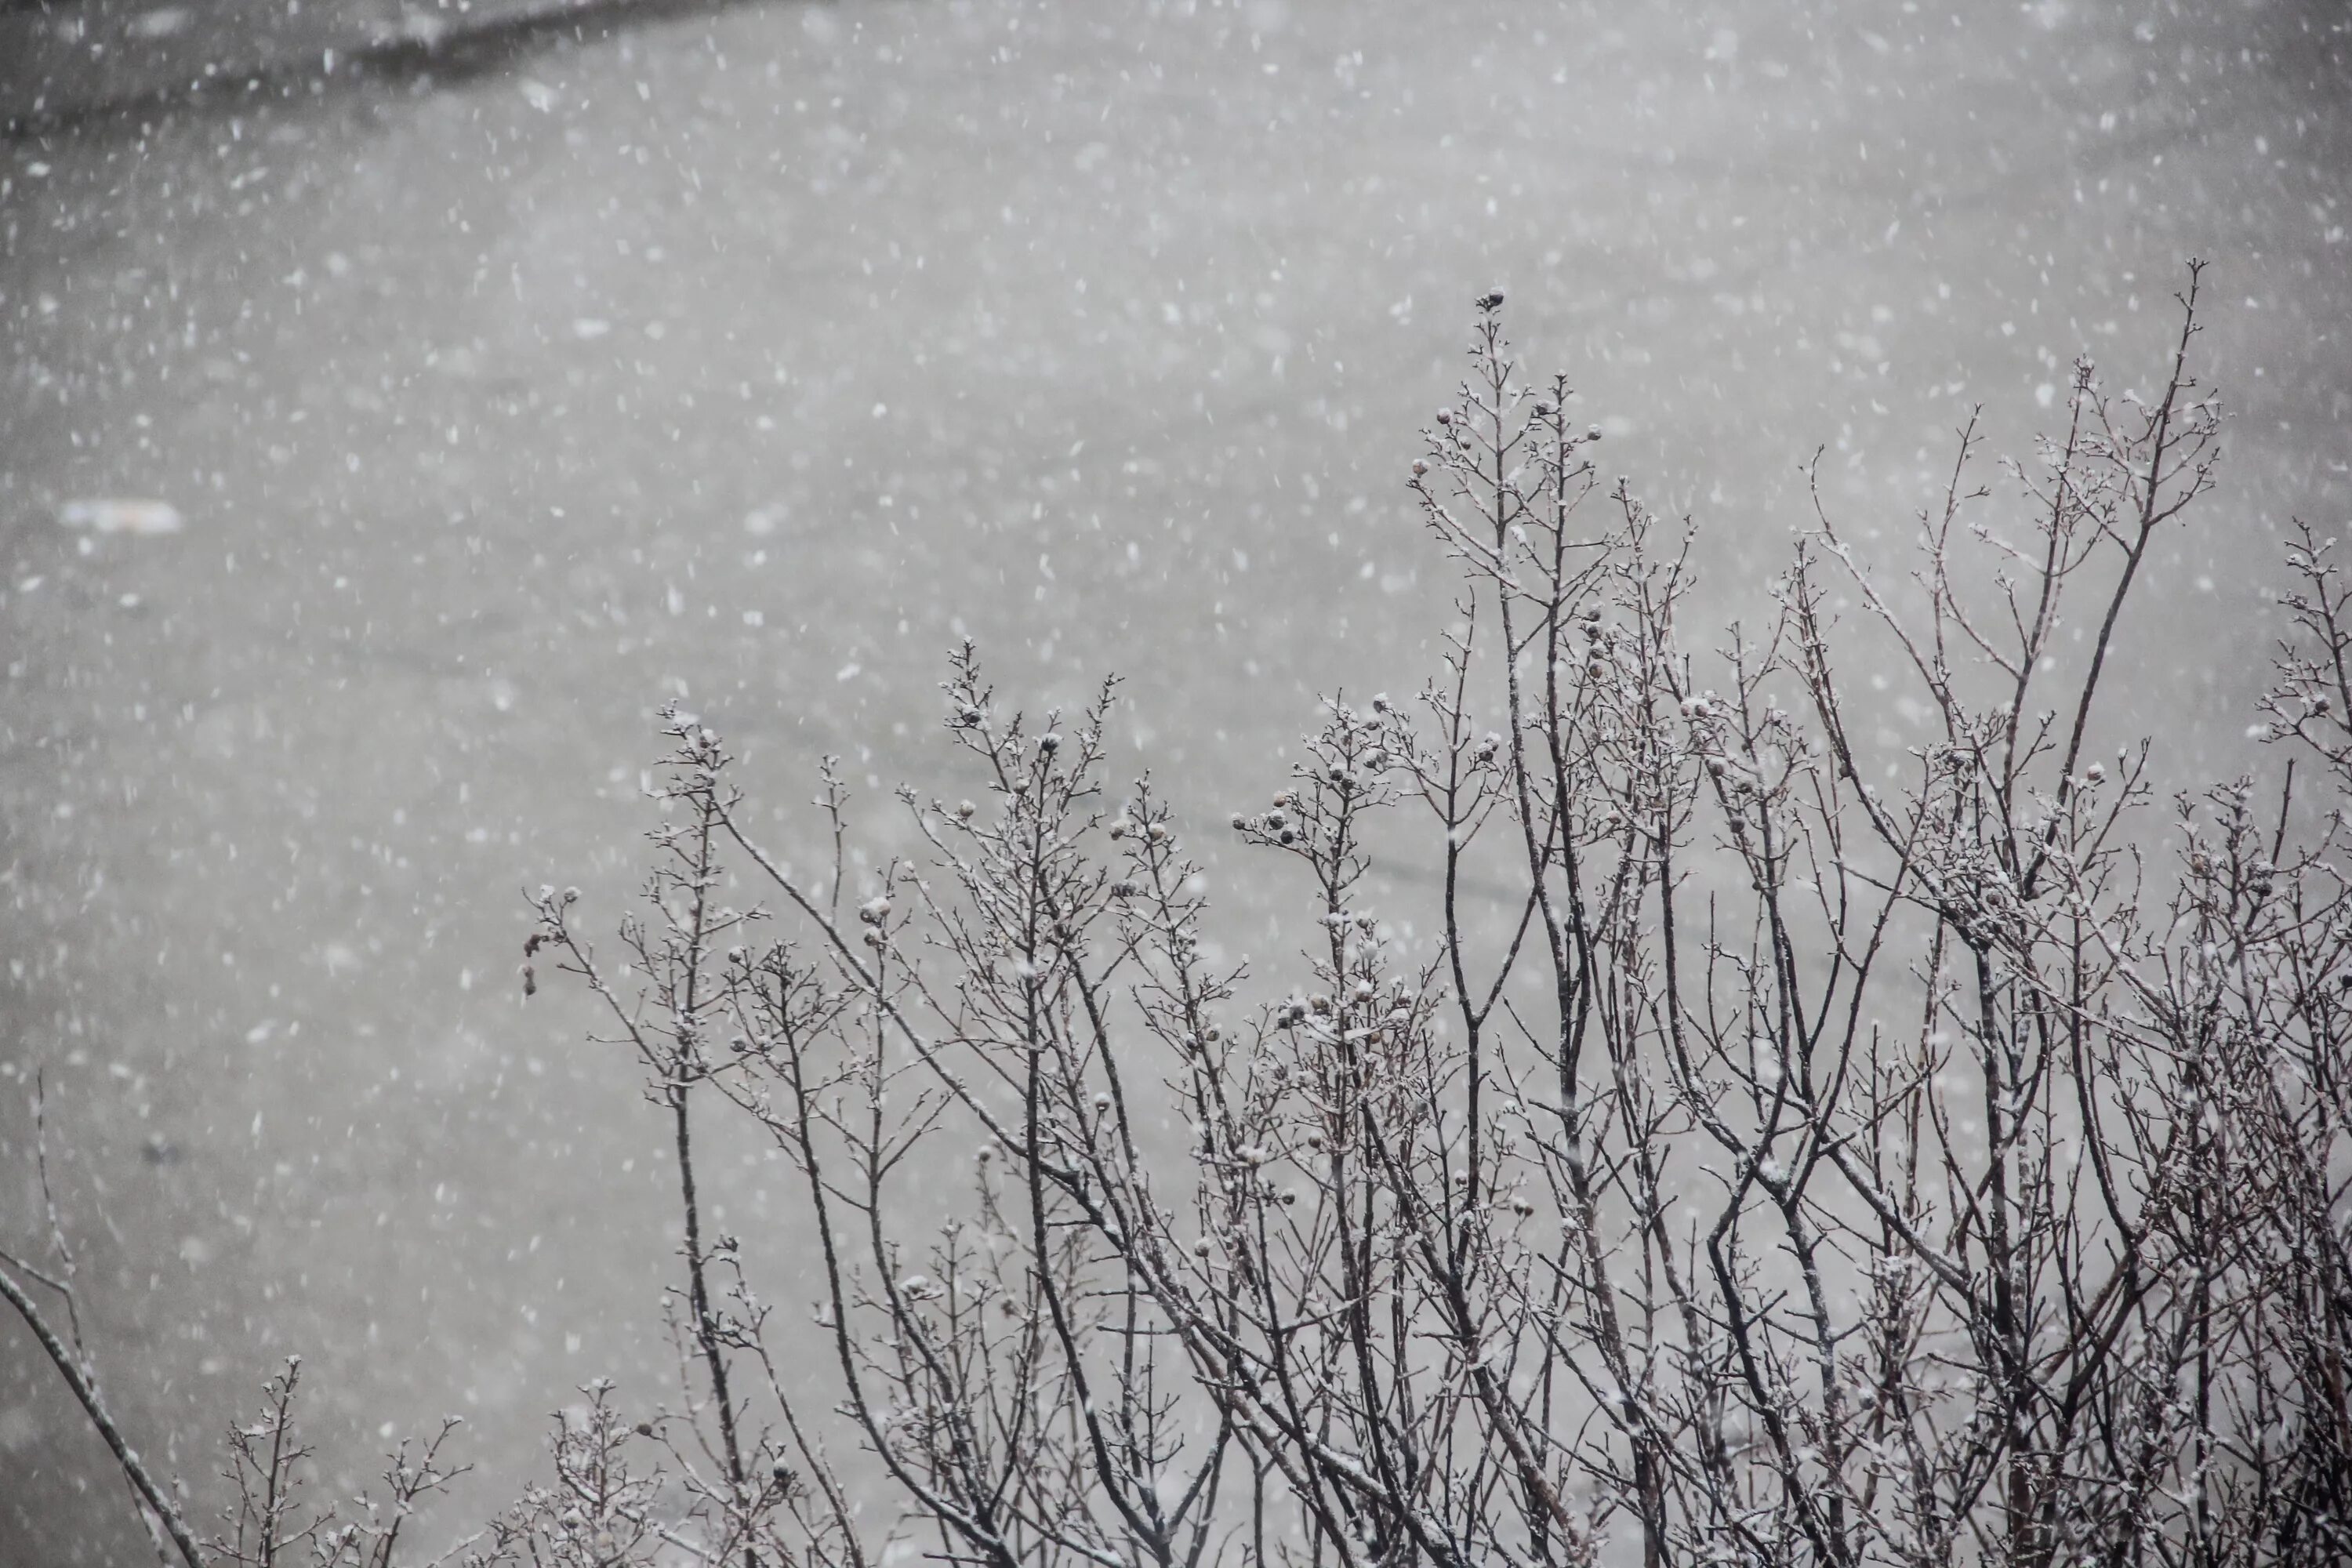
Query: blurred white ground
[(753, 354)]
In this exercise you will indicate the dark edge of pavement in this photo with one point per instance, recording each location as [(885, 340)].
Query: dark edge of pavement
[(48, 90)]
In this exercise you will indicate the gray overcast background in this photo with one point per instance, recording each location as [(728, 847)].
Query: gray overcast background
[(506, 381)]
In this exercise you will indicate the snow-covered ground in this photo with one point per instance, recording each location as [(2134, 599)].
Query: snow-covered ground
[(751, 355)]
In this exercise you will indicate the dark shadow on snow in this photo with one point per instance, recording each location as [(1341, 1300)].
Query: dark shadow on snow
[(476, 49)]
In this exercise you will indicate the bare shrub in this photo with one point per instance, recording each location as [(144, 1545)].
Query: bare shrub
[(1826, 1151), (268, 1523)]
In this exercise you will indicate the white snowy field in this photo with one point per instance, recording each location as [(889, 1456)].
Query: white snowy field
[(753, 356)]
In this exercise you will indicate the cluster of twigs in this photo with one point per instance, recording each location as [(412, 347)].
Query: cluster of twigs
[(1833, 1151), (1829, 1148)]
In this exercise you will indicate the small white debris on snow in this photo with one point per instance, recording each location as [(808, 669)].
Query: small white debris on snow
[(120, 516)]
